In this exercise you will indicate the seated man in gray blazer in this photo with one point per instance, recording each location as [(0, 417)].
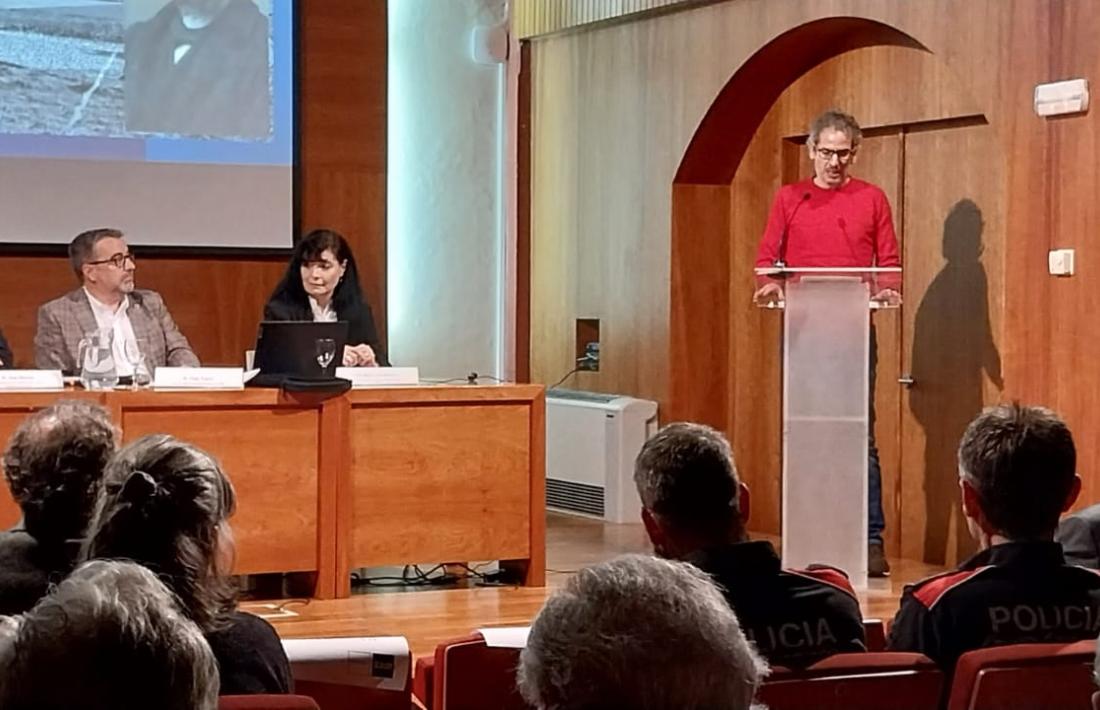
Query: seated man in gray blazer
[(1080, 537), (107, 300)]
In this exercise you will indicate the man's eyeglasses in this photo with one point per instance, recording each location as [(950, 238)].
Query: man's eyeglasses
[(118, 260), (827, 154)]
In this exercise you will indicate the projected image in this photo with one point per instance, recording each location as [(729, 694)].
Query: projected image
[(198, 68), (136, 68), (170, 119), (61, 67)]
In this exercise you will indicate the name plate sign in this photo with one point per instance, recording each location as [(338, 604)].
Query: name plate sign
[(506, 636), (362, 377), (30, 380), (199, 378), (380, 662)]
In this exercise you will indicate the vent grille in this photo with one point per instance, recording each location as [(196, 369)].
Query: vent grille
[(581, 395), (574, 497)]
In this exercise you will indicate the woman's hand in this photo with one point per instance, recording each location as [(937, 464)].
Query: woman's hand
[(359, 356)]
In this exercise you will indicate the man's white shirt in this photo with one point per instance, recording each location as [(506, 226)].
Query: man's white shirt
[(116, 320)]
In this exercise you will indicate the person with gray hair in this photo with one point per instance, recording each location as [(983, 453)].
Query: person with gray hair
[(110, 637), (108, 301), (165, 504), (54, 465), (641, 633), (833, 220), (695, 507)]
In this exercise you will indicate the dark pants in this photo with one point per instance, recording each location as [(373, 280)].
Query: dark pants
[(876, 520)]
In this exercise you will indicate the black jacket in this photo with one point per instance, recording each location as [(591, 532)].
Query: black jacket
[(5, 352), (795, 617), (251, 659), (1018, 592), (360, 324), (27, 569)]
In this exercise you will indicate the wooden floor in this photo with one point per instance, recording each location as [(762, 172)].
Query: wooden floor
[(429, 617)]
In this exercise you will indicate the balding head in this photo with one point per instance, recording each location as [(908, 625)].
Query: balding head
[(54, 464)]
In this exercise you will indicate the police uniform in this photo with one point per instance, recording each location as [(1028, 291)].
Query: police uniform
[(795, 617), (1017, 592)]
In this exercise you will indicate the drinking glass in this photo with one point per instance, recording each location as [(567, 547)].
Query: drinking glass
[(135, 356), (326, 353)]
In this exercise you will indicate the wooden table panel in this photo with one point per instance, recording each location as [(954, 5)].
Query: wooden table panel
[(372, 477), (440, 483), (270, 454)]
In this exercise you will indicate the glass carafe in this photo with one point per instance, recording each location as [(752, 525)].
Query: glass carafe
[(97, 360)]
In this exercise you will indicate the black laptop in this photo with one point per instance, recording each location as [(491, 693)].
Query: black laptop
[(289, 349)]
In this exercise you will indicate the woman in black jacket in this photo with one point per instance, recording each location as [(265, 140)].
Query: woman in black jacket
[(321, 283)]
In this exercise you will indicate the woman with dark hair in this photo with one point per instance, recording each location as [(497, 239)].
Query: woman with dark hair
[(165, 504), (321, 283)]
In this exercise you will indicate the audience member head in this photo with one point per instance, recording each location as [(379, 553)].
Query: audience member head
[(641, 633), (109, 637), (833, 143), (1017, 472), (691, 496), (103, 263), (165, 504), (323, 267), (54, 465)]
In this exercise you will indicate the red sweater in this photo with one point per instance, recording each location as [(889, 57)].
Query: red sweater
[(846, 227)]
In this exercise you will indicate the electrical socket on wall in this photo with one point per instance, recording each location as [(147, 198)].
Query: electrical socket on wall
[(1060, 262), (590, 361)]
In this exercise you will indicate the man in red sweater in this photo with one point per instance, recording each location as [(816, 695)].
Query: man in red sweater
[(833, 219)]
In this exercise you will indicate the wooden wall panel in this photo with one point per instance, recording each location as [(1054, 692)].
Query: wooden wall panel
[(616, 107), (603, 152), (217, 301), (954, 281), (463, 467), (699, 215), (612, 113), (1073, 183), (755, 364)]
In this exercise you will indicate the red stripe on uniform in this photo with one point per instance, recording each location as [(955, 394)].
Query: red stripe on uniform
[(827, 575), (932, 590)]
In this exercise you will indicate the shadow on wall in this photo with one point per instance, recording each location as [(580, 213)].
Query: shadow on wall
[(952, 346)]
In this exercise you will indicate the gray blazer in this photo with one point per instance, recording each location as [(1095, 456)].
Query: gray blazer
[(65, 321), (1080, 537)]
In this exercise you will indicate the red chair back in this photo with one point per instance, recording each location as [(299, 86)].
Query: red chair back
[(266, 702), (1037, 676), (424, 681), (857, 681), (335, 696), (468, 675)]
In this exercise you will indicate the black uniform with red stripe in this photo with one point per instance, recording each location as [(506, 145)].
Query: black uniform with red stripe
[(795, 617), (1017, 592)]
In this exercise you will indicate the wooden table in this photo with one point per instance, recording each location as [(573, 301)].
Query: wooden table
[(372, 477)]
